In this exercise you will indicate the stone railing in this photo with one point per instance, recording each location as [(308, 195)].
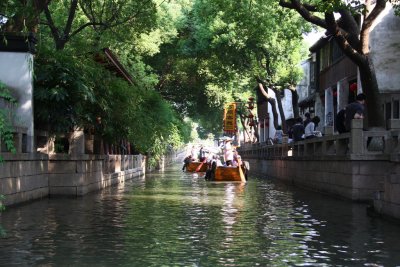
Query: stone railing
[(357, 144)]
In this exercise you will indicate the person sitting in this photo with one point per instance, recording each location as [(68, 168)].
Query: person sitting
[(186, 161), (310, 131), (307, 120), (298, 130), (340, 121), (355, 110)]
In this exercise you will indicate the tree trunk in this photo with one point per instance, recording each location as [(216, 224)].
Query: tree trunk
[(243, 122), (280, 108), (271, 101), (374, 112), (295, 102)]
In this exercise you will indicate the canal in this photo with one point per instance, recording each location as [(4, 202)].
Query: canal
[(173, 218)]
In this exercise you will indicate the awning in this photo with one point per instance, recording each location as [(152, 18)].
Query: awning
[(308, 101)]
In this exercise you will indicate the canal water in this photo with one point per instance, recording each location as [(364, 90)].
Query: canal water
[(173, 218)]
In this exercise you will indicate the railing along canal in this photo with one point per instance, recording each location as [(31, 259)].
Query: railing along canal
[(358, 144)]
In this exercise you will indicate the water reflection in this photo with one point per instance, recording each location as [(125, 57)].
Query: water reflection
[(178, 219)]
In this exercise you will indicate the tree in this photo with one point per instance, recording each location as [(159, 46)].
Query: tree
[(351, 37), (256, 39)]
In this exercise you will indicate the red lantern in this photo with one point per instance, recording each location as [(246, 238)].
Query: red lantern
[(250, 116), (251, 123), (353, 87)]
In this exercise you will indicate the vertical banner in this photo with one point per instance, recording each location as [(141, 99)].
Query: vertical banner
[(328, 107), (230, 118)]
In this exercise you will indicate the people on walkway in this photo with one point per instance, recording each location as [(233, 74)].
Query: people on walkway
[(340, 121), (355, 110), (307, 120), (298, 130), (310, 130)]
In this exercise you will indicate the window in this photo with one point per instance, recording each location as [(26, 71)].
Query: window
[(337, 52), (396, 109), (325, 57)]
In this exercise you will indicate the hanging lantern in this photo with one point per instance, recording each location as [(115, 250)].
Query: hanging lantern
[(251, 123), (251, 99), (250, 116), (353, 87)]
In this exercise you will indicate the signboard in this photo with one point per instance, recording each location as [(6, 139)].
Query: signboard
[(230, 118)]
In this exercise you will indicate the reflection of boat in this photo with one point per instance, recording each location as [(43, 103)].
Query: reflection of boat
[(192, 166), (229, 174)]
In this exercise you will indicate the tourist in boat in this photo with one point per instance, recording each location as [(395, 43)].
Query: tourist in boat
[(227, 148), (186, 161), (193, 153), (202, 154)]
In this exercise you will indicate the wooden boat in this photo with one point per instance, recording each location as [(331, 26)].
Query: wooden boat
[(192, 166), (229, 174)]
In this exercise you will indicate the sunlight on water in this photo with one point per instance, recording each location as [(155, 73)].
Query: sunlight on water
[(179, 219)]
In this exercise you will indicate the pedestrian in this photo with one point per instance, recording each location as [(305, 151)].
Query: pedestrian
[(307, 120), (340, 121), (298, 130), (355, 110), (310, 130)]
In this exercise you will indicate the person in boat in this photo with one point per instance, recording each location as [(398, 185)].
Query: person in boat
[(236, 158), (202, 154), (193, 153), (211, 166), (227, 148), (186, 161)]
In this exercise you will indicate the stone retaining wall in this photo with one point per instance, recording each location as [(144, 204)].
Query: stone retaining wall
[(355, 180), (25, 177), (360, 165)]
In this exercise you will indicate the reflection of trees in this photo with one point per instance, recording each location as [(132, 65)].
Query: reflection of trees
[(178, 219)]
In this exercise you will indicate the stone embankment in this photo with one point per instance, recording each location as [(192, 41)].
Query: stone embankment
[(360, 165), (25, 177)]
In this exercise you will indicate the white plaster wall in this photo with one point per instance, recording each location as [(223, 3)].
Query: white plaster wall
[(287, 104), (385, 50), (16, 71), (303, 86)]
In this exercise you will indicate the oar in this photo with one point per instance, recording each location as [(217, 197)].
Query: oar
[(242, 177), (201, 164)]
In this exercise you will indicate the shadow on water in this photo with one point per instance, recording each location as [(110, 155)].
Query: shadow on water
[(173, 218)]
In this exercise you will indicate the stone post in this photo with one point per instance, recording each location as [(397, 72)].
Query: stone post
[(393, 144), (328, 130), (77, 142), (357, 138)]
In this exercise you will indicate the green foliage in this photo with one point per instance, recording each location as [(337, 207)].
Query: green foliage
[(62, 92), (6, 128), (187, 59)]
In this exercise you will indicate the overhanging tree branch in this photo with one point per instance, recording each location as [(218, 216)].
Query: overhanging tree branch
[(304, 11)]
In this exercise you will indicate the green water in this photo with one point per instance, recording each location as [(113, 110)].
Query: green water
[(179, 219)]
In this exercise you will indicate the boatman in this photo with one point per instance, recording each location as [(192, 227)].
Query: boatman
[(228, 151)]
